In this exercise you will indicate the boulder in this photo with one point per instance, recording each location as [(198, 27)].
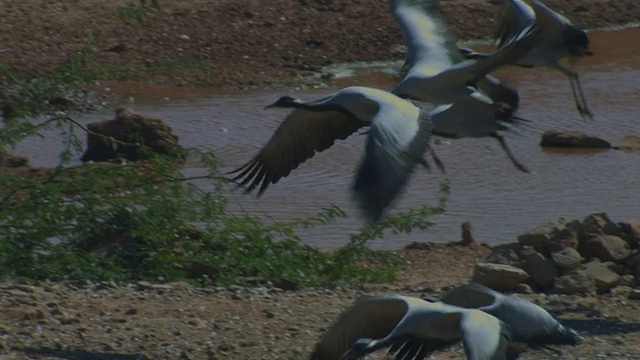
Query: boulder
[(575, 283), (633, 260), (605, 248), (565, 238), (631, 232), (498, 276), (129, 129), (541, 270), (567, 258), (542, 235), (568, 138), (604, 278), (504, 257), (599, 223)]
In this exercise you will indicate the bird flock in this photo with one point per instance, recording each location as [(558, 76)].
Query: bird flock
[(466, 102)]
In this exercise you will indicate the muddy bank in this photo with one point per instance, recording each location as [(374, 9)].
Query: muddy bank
[(237, 43)]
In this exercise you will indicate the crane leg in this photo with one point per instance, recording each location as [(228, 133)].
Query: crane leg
[(504, 146)]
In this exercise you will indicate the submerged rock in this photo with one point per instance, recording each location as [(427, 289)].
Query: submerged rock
[(568, 138)]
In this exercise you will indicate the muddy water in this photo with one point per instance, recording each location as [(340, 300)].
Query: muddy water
[(499, 201)]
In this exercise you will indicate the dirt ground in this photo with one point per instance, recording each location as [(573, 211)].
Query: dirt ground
[(239, 44), (81, 320)]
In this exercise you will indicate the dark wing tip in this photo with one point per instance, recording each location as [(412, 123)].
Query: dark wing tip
[(252, 174)]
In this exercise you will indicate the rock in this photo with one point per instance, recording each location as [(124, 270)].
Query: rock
[(575, 283), (566, 238), (568, 258), (131, 128), (568, 138), (631, 232), (467, 234), (541, 236), (523, 288), (632, 261), (12, 161), (419, 246), (599, 223), (498, 276), (145, 285), (634, 294), (604, 278), (504, 257), (527, 251), (621, 291), (543, 271), (616, 268), (605, 248), (284, 284), (629, 142), (627, 280)]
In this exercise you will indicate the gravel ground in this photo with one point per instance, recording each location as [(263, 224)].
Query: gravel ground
[(83, 320)]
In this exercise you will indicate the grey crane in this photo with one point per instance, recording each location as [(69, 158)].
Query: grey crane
[(489, 85), (439, 74), (529, 323), (398, 138), (558, 39), (377, 322)]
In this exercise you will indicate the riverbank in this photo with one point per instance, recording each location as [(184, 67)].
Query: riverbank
[(237, 43)]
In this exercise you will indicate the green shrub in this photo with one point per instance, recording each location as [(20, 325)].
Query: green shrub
[(149, 221)]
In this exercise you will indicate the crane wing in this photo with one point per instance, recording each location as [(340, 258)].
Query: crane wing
[(303, 133), (507, 54), (517, 15), (484, 336), (428, 39), (371, 317), (394, 146)]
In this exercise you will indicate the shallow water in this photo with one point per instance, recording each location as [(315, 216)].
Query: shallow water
[(498, 200)]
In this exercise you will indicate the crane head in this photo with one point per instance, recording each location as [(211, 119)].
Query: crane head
[(285, 102)]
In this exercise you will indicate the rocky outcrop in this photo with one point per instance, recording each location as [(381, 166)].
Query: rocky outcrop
[(568, 138), (130, 130), (592, 255)]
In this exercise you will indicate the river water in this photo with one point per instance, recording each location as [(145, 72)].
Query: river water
[(486, 190)]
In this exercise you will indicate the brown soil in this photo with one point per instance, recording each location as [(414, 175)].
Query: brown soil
[(252, 43), (244, 42)]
